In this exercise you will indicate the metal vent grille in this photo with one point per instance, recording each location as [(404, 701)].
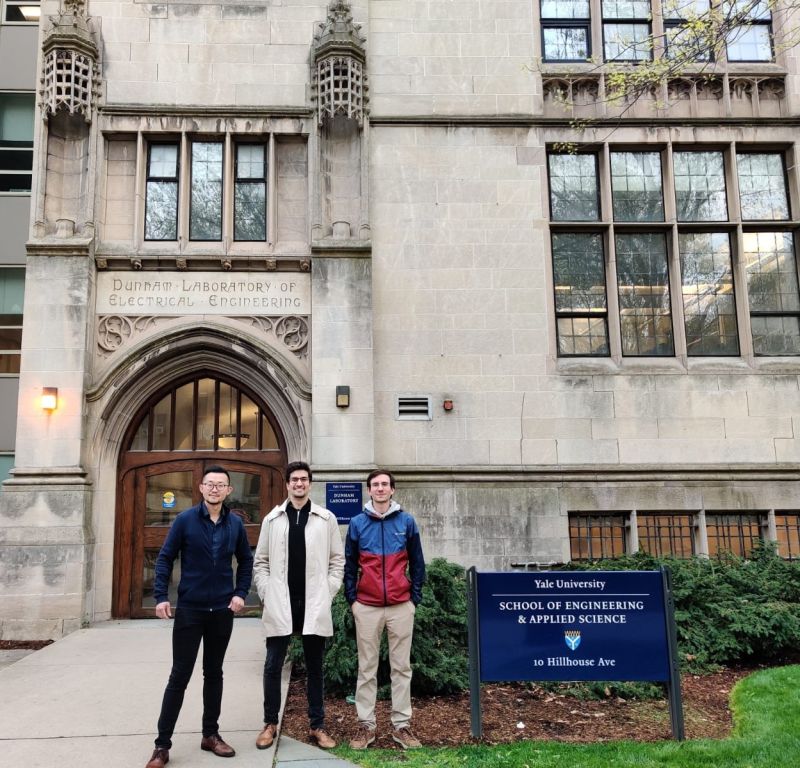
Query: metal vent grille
[(413, 408)]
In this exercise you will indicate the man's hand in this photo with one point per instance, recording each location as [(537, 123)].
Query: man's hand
[(236, 604), (164, 610)]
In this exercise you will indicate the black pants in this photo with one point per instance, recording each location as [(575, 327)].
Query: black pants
[(214, 629), (313, 652)]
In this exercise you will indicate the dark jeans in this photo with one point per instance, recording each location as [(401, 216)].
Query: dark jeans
[(313, 651), (214, 629)]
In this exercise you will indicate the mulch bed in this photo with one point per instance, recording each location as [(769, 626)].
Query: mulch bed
[(26, 645), (516, 711)]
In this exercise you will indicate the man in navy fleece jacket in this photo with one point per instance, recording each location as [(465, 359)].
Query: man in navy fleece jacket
[(207, 537)]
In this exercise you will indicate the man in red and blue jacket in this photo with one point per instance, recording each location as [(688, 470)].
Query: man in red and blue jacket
[(383, 576)]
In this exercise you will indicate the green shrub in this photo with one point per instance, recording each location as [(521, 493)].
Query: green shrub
[(439, 652), (728, 609)]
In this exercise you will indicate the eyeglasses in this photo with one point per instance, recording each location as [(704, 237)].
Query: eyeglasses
[(299, 480), (216, 486)]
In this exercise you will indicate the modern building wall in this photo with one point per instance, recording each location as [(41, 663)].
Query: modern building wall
[(18, 47), (18, 50)]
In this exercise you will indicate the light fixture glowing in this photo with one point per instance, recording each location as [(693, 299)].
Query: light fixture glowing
[(49, 398), (227, 440)]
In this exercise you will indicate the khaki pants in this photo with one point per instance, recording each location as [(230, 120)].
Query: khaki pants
[(399, 622)]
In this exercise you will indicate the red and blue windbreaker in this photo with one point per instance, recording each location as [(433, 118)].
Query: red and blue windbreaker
[(388, 553)]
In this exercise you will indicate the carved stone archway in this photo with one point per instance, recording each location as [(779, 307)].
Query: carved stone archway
[(149, 368)]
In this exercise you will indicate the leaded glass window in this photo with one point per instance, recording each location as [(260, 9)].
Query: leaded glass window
[(773, 292), (596, 537), (666, 534), (686, 40), (250, 203), (566, 30), (204, 415), (709, 305), (580, 294), (738, 534), (573, 187), (636, 186), (205, 218), (752, 40), (161, 208), (700, 186), (787, 528), (645, 314), (626, 30), (762, 186)]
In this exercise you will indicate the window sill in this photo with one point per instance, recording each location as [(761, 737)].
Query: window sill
[(587, 366)]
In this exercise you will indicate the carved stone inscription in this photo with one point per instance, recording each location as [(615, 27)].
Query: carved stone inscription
[(203, 293)]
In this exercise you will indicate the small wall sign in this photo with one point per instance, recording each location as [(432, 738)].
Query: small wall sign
[(344, 500)]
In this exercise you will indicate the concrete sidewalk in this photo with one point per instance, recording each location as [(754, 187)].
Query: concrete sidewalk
[(92, 700)]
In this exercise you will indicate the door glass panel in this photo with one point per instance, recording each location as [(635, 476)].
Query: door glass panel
[(161, 414), (249, 422), (245, 499), (227, 417), (269, 442), (167, 495), (148, 576), (205, 415), (140, 439), (183, 417)]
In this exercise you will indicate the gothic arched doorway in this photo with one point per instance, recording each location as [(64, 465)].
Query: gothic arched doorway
[(199, 421)]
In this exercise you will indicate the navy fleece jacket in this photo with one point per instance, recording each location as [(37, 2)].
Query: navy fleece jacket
[(206, 581)]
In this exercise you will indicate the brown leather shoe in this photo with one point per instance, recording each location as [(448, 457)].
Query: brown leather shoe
[(267, 736), (159, 759), (215, 744), (363, 738), (406, 738), (322, 737)]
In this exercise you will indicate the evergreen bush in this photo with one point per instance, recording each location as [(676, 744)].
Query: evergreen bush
[(439, 652), (727, 610)]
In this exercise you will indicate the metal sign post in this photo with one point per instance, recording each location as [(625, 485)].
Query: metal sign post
[(473, 638), (674, 682)]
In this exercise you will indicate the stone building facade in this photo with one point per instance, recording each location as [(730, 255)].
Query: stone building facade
[(240, 210)]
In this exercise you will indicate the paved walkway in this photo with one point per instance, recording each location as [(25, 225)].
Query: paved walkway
[(91, 700)]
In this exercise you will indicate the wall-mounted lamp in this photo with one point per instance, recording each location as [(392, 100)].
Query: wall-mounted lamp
[(447, 404), (49, 398), (342, 397)]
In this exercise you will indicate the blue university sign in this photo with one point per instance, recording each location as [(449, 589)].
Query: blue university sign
[(572, 625)]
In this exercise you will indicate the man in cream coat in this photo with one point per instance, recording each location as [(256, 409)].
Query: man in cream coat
[(298, 570)]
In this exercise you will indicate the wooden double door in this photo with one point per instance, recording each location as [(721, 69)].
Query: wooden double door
[(171, 443)]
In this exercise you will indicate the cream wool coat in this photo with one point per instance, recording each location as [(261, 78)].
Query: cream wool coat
[(324, 571)]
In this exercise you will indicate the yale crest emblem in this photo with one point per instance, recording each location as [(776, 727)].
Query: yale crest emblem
[(572, 637)]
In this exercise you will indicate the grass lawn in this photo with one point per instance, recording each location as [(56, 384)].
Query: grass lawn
[(766, 709)]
